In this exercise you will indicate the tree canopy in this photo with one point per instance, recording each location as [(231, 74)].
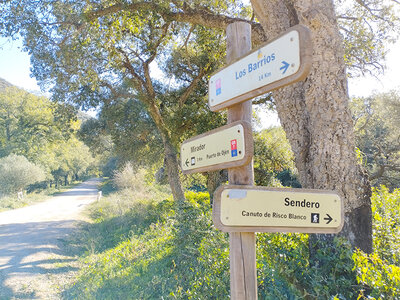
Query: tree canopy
[(43, 132), (377, 128)]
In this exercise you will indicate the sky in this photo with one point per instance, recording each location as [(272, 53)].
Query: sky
[(15, 65), (15, 68)]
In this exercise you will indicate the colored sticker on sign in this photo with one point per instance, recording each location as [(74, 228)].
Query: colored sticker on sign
[(218, 86), (233, 144), (233, 148)]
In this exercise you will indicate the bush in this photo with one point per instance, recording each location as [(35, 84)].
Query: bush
[(130, 178), (386, 224), (16, 173), (381, 279), (379, 272)]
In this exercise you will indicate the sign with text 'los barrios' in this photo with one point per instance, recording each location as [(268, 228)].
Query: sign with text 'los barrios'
[(285, 60)]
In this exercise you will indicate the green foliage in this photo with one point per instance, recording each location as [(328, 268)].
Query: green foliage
[(379, 272), (17, 173), (367, 28), (43, 132), (151, 261), (28, 123), (69, 159), (386, 224), (287, 273), (377, 128), (147, 249), (92, 132), (126, 129), (381, 278), (273, 158)]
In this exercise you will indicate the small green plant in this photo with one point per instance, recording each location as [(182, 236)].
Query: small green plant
[(386, 224)]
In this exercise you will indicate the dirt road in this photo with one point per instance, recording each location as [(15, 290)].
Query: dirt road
[(31, 259)]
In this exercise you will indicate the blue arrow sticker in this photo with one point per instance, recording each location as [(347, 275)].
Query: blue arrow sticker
[(284, 67)]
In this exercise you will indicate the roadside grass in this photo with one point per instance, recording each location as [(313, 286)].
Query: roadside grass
[(116, 217), (141, 246), (140, 253), (12, 202)]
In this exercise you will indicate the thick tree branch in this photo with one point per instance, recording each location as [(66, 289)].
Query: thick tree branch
[(382, 168), (191, 87), (141, 84), (193, 16), (158, 43), (188, 36)]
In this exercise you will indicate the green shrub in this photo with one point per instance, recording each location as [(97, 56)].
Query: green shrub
[(381, 279), (386, 224), (285, 270), (130, 178), (379, 272), (16, 173)]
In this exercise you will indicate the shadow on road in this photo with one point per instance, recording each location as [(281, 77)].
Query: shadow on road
[(33, 246), (22, 247)]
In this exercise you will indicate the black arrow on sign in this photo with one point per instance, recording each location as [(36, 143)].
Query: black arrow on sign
[(187, 162), (329, 219)]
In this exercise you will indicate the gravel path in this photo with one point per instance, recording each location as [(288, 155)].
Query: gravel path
[(32, 263)]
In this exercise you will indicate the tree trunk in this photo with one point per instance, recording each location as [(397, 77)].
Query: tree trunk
[(172, 166), (214, 180), (315, 113), (170, 158)]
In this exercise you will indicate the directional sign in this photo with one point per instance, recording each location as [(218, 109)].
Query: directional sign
[(283, 61), (225, 147), (261, 209)]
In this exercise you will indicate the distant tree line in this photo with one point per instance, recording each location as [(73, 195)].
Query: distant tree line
[(38, 142)]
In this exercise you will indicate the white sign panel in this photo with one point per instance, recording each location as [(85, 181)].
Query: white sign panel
[(278, 60), (227, 146), (285, 210)]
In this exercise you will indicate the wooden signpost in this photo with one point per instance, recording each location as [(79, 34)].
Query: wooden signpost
[(241, 208), (225, 147), (242, 245)]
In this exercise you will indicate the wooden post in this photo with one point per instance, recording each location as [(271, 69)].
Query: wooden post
[(242, 244)]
